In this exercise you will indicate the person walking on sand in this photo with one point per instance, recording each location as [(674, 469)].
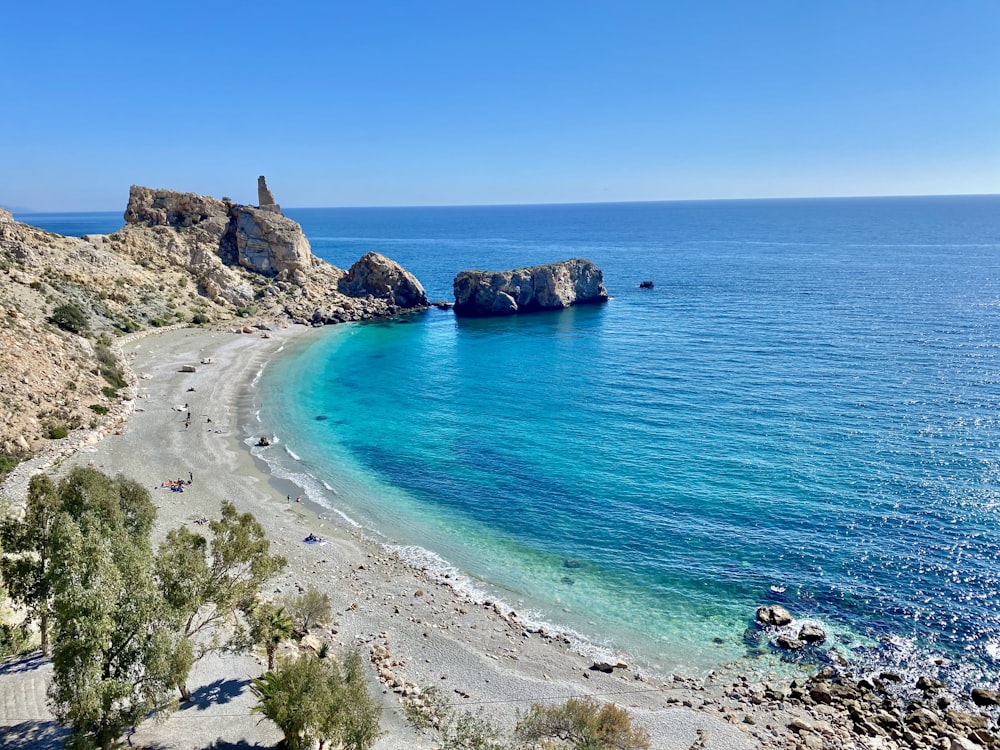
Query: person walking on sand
[(190, 477)]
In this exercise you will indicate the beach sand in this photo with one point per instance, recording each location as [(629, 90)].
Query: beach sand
[(477, 658)]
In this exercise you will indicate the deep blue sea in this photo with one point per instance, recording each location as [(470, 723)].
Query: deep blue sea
[(807, 400)]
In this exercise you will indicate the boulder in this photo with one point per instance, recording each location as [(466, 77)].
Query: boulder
[(550, 287), (377, 276), (789, 644), (773, 615), (811, 633), (983, 697)]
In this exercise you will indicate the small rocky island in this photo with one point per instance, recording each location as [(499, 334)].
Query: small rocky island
[(550, 287)]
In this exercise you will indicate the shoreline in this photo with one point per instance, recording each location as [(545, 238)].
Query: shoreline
[(474, 654)]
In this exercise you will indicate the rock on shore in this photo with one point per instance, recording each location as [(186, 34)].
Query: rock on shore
[(549, 287)]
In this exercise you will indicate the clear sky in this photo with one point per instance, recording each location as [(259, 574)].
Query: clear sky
[(370, 102)]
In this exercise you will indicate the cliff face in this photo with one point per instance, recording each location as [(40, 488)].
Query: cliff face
[(180, 258), (549, 287), (256, 257)]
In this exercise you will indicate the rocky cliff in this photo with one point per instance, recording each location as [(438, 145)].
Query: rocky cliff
[(180, 258), (550, 287)]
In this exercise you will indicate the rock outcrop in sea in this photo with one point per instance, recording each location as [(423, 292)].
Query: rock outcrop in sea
[(549, 287)]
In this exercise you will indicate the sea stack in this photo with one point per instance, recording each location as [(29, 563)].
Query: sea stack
[(550, 287)]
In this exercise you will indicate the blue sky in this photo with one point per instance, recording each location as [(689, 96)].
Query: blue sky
[(368, 102)]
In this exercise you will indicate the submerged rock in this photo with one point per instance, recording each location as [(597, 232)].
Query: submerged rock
[(550, 287)]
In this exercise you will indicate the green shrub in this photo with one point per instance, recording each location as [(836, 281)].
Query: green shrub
[(308, 609), (110, 391), (200, 319), (57, 432), (99, 409), (584, 724), (70, 318), (108, 367), (465, 730), (7, 464), (105, 356), (313, 699)]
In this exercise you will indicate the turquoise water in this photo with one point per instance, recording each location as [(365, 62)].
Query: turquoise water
[(807, 399)]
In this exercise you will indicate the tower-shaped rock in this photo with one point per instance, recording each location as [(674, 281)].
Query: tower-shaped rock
[(265, 200)]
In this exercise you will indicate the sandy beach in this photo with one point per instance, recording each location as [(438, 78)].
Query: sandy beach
[(477, 657)]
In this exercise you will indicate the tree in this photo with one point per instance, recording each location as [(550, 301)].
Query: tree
[(25, 564), (112, 647), (269, 626), (316, 700), (585, 724), (213, 586)]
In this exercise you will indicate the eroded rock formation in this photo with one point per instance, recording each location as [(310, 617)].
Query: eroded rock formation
[(549, 287), (377, 276), (265, 199)]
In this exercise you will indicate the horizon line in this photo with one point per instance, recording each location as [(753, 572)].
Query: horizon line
[(570, 203)]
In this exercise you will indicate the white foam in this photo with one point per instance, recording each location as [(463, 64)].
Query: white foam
[(292, 453), (442, 572)]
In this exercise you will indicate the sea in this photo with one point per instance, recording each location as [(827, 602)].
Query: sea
[(804, 409)]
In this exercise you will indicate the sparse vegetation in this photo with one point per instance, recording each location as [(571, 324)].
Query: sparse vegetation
[(108, 367), (99, 409)]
